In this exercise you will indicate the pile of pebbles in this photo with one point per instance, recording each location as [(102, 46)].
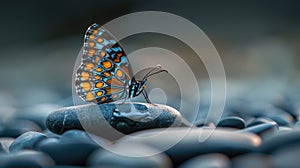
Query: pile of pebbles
[(249, 134)]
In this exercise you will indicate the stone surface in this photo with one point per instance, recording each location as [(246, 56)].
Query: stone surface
[(213, 160), (67, 152), (27, 140), (26, 159), (129, 155), (252, 160), (287, 156), (283, 119), (182, 144), (105, 119), (263, 130), (6, 142), (14, 128), (260, 120), (279, 141), (232, 122)]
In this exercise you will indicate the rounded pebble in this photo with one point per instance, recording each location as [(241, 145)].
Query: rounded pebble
[(214, 160), (125, 118), (258, 121), (263, 130), (219, 141), (129, 155), (251, 160), (32, 159), (27, 140), (232, 122)]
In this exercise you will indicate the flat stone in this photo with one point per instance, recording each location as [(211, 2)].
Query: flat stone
[(214, 160), (129, 155), (67, 152), (287, 156), (182, 144), (14, 128), (27, 140), (261, 120), (113, 120), (251, 160), (279, 141), (232, 122), (263, 130), (32, 159)]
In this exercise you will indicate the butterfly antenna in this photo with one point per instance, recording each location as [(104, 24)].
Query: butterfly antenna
[(154, 68)]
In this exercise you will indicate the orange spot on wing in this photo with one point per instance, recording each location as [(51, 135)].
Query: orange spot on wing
[(91, 52), (99, 93), (86, 86), (114, 81), (103, 98), (99, 69), (119, 73), (107, 74), (102, 53), (91, 44), (89, 66), (111, 90), (99, 84), (85, 75), (92, 37), (89, 96), (106, 64), (100, 40), (97, 77)]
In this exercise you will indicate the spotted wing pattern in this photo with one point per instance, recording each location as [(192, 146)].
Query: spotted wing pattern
[(104, 72)]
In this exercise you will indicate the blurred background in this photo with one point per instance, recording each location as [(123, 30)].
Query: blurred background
[(258, 41)]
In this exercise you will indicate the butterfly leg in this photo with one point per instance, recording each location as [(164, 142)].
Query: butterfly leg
[(146, 96)]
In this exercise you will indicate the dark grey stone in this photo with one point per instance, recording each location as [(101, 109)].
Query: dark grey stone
[(214, 160), (190, 145), (251, 160), (258, 121), (287, 156), (67, 153), (263, 130), (279, 141), (129, 155), (232, 122), (112, 121), (14, 128), (76, 136), (27, 140), (283, 119), (26, 159)]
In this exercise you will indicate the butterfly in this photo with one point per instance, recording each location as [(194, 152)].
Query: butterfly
[(104, 74)]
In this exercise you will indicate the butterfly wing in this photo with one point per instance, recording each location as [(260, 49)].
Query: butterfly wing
[(104, 71)]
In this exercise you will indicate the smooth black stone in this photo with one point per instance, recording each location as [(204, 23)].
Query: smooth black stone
[(259, 121), (15, 128), (27, 140), (214, 160), (252, 160), (284, 129), (232, 122), (67, 153), (287, 156), (76, 136), (25, 159), (283, 119), (219, 141), (129, 155), (112, 121), (279, 141), (263, 130)]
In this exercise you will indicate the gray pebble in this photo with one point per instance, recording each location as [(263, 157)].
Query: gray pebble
[(129, 155), (287, 156), (279, 141), (111, 120), (252, 160), (263, 130), (232, 122), (27, 140), (214, 160), (219, 141), (32, 159), (260, 120)]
